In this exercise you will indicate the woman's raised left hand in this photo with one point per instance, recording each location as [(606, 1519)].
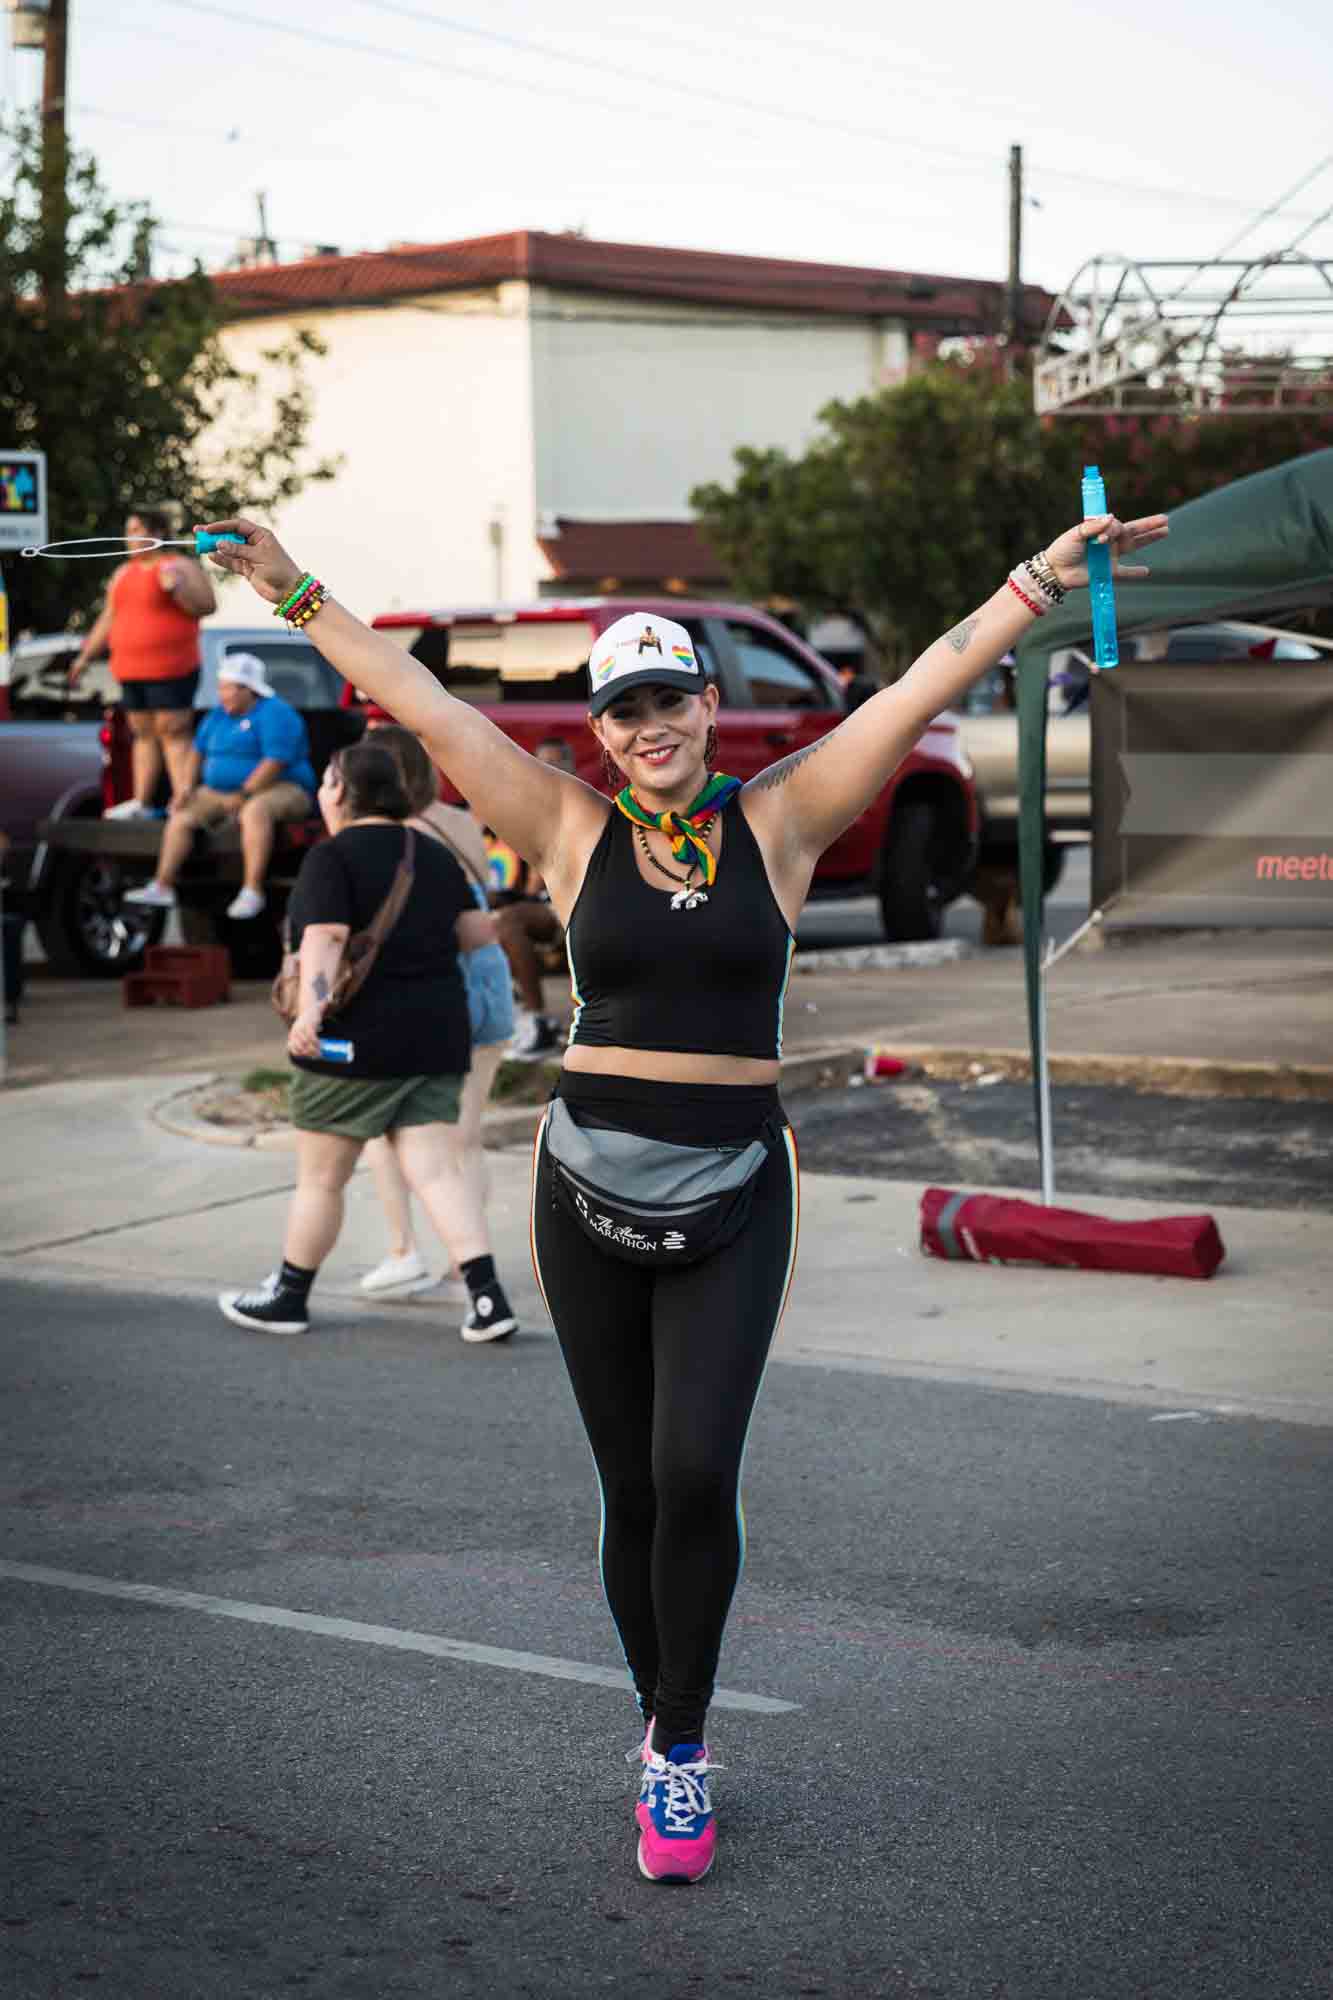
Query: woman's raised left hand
[(303, 1035), (259, 557), (1068, 557)]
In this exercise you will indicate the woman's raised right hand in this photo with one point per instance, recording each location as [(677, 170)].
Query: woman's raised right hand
[(263, 562)]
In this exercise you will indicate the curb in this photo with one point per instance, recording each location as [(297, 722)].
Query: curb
[(1167, 1076), (890, 957), (505, 1126), (834, 1064), (177, 1115)]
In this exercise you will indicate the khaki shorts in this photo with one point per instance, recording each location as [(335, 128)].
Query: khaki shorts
[(367, 1107), (206, 808)]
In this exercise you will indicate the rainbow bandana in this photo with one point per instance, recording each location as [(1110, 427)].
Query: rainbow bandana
[(685, 830)]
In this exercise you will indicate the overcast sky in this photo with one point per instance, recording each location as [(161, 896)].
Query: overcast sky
[(865, 135)]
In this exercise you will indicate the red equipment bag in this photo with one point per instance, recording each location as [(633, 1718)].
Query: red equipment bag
[(992, 1229)]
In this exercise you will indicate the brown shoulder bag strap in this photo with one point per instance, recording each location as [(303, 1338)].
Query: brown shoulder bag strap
[(400, 889), (469, 868)]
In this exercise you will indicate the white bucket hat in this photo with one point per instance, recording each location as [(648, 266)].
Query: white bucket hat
[(640, 650), (247, 670)]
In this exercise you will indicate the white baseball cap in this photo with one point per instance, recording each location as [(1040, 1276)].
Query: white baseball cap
[(247, 670), (640, 650)]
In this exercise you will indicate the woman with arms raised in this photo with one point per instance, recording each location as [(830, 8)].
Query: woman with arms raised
[(665, 1197)]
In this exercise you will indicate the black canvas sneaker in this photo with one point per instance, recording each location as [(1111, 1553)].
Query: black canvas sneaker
[(490, 1316), (267, 1308)]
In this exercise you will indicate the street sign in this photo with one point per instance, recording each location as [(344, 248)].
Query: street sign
[(22, 499)]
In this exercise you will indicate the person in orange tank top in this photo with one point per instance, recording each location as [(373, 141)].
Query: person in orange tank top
[(150, 623)]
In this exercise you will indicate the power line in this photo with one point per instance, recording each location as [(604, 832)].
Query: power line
[(550, 53), (977, 162), (1276, 208)]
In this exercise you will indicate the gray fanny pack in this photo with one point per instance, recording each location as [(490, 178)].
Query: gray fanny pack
[(649, 1201)]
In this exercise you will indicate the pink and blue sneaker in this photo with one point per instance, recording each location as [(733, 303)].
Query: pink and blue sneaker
[(677, 1832)]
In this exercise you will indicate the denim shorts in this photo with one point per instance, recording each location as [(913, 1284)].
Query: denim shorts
[(490, 994)]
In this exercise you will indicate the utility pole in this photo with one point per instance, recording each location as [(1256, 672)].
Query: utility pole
[(266, 250), (1014, 289), (55, 158)]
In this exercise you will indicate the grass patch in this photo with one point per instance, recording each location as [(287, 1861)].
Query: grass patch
[(266, 1079), (524, 1082)]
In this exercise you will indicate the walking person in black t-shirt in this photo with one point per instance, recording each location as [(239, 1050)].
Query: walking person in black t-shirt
[(394, 1059)]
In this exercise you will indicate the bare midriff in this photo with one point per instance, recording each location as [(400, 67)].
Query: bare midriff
[(671, 1066)]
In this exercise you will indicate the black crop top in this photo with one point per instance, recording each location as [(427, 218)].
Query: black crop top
[(705, 981)]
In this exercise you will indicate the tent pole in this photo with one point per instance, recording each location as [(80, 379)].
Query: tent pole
[(1044, 1095)]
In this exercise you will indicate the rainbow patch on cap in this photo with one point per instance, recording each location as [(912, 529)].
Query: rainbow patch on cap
[(684, 655)]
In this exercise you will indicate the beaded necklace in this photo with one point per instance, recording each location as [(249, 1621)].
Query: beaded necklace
[(687, 832)]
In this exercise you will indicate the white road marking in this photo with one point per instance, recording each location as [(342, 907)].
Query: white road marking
[(366, 1635)]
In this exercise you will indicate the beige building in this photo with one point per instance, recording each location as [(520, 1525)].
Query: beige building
[(528, 413)]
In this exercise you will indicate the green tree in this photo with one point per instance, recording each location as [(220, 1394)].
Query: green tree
[(911, 505), (907, 509), (120, 383)]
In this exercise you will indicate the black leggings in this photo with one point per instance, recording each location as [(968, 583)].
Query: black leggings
[(666, 1366)]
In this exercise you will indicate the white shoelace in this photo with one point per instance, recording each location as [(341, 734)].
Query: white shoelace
[(686, 1787), (262, 1294)]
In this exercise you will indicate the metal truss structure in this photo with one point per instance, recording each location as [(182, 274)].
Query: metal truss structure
[(1215, 336)]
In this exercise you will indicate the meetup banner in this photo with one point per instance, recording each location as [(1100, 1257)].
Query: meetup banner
[(1212, 795)]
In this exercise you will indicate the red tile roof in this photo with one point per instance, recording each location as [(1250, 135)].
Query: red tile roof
[(627, 270), (635, 552)]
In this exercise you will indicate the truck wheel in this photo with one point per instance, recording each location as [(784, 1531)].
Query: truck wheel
[(912, 874), (85, 927)]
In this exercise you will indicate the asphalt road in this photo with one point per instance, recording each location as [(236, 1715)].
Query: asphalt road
[(824, 925), (1060, 1672), (1187, 1151)]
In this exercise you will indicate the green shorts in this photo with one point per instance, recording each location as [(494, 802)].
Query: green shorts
[(366, 1107)]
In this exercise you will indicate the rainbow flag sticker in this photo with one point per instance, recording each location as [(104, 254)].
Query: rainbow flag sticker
[(683, 654)]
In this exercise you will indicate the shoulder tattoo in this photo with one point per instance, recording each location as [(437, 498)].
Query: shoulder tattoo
[(960, 635), (778, 774)]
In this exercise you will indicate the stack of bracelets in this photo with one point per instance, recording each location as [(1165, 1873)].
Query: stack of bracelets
[(1037, 584), (304, 602)]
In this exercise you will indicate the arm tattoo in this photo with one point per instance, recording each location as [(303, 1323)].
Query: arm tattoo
[(778, 774), (960, 635), (319, 986)]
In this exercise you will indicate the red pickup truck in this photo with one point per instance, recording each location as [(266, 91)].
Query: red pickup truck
[(914, 847), (524, 666)]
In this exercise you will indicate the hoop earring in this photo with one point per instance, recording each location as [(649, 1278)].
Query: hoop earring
[(710, 746)]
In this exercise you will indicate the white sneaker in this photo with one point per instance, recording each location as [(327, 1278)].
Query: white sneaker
[(246, 903), (535, 1035), (152, 896), (399, 1277), (129, 809)]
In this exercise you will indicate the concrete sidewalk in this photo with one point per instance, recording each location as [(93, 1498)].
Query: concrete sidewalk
[(96, 1190)]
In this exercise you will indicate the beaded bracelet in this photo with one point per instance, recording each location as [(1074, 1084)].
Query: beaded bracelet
[(1037, 608), (292, 612), (314, 600), (290, 603), (304, 602), (295, 611), (1042, 571)]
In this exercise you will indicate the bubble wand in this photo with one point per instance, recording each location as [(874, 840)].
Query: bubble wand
[(1101, 590), (201, 543)]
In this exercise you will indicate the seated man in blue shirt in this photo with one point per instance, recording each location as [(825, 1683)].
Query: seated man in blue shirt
[(253, 756)]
